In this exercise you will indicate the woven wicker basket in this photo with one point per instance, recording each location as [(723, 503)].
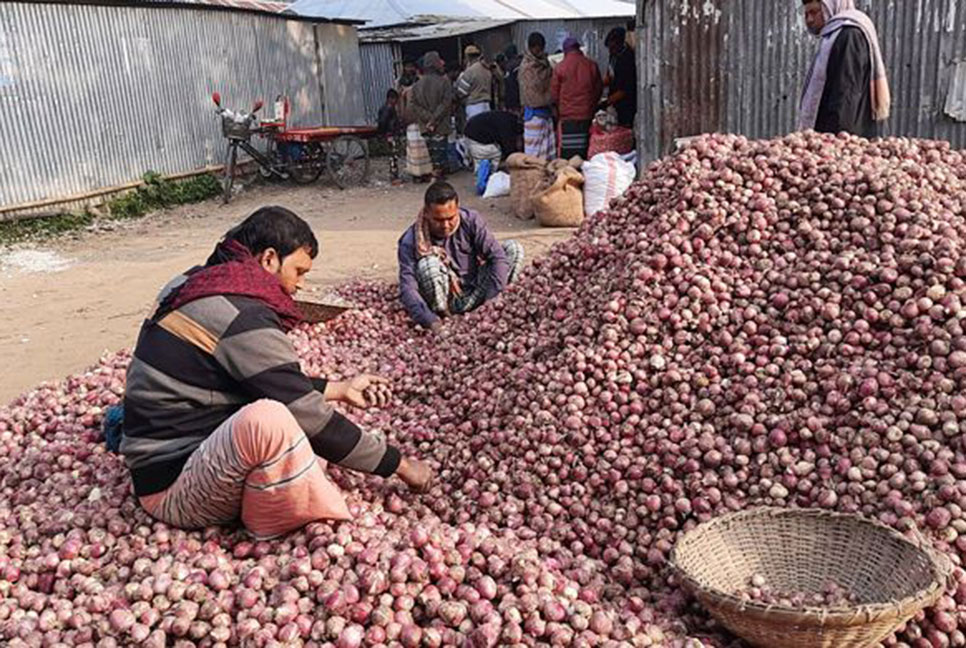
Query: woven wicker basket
[(802, 550)]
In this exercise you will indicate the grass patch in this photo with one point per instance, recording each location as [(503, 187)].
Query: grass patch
[(32, 229), (159, 193), (156, 193)]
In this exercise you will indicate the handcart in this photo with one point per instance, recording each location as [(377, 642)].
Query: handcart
[(299, 154)]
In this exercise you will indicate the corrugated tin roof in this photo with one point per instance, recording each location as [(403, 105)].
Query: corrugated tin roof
[(253, 5), (264, 7), (440, 28), (381, 13)]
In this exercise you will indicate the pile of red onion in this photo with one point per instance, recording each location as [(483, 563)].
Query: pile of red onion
[(773, 322)]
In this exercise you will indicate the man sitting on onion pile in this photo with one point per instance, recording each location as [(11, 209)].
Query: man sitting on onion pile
[(219, 420), (449, 262)]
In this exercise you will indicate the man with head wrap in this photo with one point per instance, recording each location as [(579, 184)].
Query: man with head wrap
[(846, 88)]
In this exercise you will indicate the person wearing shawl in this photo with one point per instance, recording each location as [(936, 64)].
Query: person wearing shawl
[(535, 77), (846, 88), (431, 101), (449, 262), (419, 164), (219, 421)]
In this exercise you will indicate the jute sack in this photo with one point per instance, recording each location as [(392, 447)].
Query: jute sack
[(526, 174), (562, 203)]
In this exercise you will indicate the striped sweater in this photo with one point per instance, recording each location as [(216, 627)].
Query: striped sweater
[(197, 365)]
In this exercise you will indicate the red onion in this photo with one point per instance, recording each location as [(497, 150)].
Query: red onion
[(751, 323)]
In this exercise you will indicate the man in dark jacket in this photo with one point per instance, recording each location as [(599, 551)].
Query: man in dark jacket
[(449, 262), (511, 69), (220, 422), (493, 136), (846, 89), (621, 79)]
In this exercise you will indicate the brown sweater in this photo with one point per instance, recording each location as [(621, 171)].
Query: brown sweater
[(475, 85), (431, 103)]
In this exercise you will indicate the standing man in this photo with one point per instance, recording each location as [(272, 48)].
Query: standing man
[(493, 136), (409, 76), (418, 163), (622, 78), (475, 85), (432, 106), (392, 128), (576, 88), (453, 71), (511, 85), (536, 75), (498, 91), (846, 88), (449, 262)]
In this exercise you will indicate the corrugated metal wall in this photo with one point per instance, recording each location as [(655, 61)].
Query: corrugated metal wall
[(589, 31), (738, 66), (378, 75), (94, 96), (342, 74)]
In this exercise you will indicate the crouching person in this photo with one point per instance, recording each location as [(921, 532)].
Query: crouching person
[(449, 262), (220, 423)]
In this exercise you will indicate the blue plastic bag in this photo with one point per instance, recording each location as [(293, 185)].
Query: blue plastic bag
[(112, 426), (482, 175)]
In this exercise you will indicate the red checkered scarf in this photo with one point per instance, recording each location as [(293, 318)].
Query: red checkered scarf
[(232, 270)]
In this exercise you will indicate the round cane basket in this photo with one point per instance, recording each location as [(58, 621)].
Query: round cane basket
[(803, 550)]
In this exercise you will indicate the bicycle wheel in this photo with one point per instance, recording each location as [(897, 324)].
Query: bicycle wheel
[(307, 167), (229, 178), (347, 161)]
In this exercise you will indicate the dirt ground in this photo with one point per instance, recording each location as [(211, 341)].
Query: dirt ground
[(68, 301)]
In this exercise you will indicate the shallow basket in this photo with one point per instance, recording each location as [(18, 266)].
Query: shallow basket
[(802, 550), (315, 312)]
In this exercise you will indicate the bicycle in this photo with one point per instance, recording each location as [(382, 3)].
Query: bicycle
[(299, 154)]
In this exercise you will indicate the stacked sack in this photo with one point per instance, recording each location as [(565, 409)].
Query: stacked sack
[(561, 193), (606, 176), (559, 200), (551, 191), (526, 173)]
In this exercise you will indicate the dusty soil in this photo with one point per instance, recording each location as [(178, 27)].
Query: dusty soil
[(68, 301)]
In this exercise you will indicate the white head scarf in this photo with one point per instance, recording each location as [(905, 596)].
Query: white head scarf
[(840, 14)]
